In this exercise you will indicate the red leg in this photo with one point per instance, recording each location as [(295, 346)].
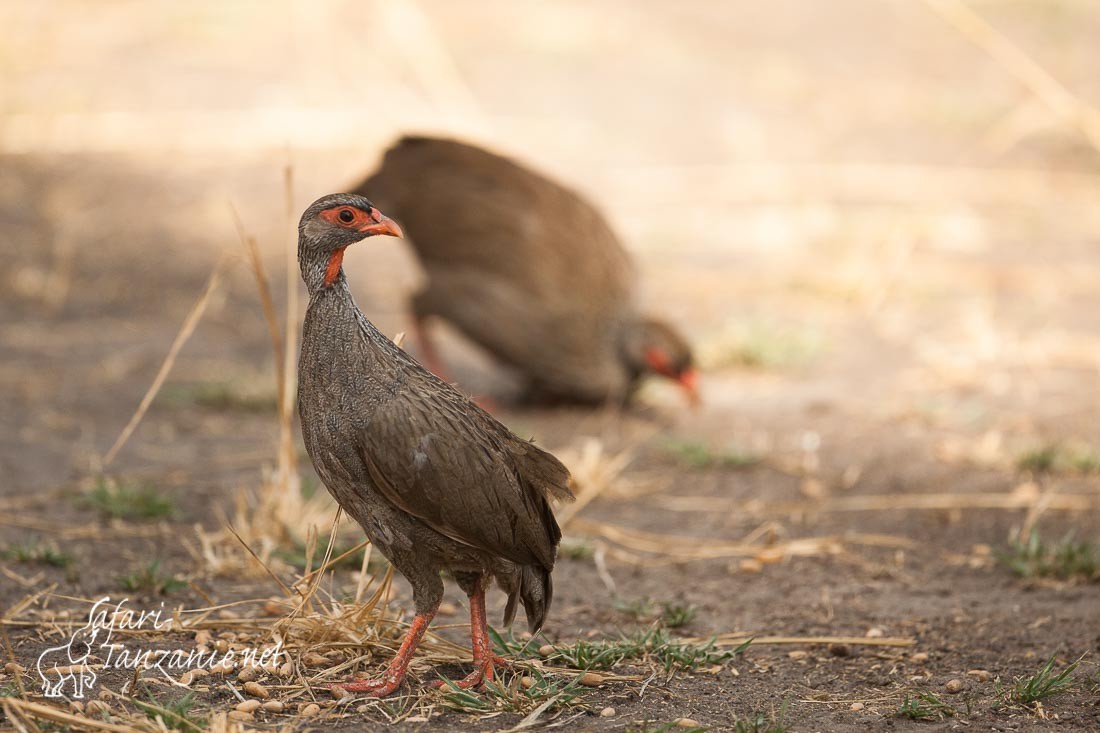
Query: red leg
[(394, 675), (427, 349), (484, 658)]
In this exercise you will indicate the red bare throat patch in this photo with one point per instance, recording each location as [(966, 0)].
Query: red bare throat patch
[(332, 270)]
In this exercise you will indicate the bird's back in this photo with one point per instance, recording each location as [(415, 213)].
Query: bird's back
[(520, 263)]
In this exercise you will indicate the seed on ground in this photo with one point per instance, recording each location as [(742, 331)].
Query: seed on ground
[(981, 675), (546, 650), (687, 723), (919, 657), (607, 713), (527, 682), (798, 654), (856, 706), (239, 715), (77, 706), (273, 706), (750, 565), (248, 706), (840, 650), (286, 669), (954, 686), (313, 659), (256, 690), (14, 668), (247, 674), (591, 679), (310, 710), (338, 693)]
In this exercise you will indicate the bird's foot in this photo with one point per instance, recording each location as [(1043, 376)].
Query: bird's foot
[(483, 672), (379, 687)]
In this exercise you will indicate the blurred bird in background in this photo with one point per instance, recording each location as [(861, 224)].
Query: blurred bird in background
[(528, 270)]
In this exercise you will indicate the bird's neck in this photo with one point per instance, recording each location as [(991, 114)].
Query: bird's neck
[(320, 274)]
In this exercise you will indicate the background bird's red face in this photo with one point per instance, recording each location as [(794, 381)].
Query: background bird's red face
[(686, 376)]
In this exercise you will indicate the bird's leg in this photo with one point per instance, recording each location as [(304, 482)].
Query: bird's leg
[(484, 658), (429, 355), (395, 673)]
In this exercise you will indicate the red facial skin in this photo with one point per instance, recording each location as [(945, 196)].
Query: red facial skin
[(372, 223), (688, 379)]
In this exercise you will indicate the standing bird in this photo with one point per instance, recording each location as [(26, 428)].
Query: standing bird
[(435, 481), (527, 269)]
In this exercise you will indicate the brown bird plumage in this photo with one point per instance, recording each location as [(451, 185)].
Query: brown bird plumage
[(527, 269), (436, 482)]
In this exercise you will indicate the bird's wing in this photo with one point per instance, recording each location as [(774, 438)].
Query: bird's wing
[(445, 461)]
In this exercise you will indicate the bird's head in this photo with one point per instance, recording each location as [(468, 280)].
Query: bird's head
[(653, 347), (329, 226)]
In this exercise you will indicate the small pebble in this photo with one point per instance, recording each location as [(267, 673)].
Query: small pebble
[(686, 723), (273, 706), (247, 674), (856, 706), (248, 706), (274, 608), (239, 715), (875, 633), (256, 690), (95, 707), (590, 679), (527, 682), (607, 713), (546, 650), (310, 710), (919, 657), (954, 686), (981, 675), (221, 645), (798, 654)]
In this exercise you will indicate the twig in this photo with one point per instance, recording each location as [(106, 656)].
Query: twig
[(1027, 71), (185, 332)]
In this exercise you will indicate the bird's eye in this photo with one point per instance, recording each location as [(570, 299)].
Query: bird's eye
[(347, 216)]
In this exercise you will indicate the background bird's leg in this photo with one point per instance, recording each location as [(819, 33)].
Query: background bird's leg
[(398, 667), (428, 355), (484, 658)]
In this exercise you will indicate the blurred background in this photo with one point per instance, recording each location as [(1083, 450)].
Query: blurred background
[(877, 221)]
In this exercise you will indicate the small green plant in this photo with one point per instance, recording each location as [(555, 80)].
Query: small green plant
[(9, 690), (675, 615), (150, 579), (925, 706), (36, 552), (176, 714), (225, 396), (700, 456), (653, 644), (1044, 683), (1054, 457), (513, 696), (120, 500), (636, 608), (759, 722), (1066, 558), (576, 548)]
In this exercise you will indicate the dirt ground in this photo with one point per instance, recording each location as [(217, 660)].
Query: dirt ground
[(882, 243)]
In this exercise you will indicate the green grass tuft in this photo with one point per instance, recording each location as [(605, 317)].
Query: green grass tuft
[(1044, 683), (176, 714), (36, 552), (120, 500), (150, 579), (698, 456), (651, 645), (512, 696), (759, 722), (925, 706), (1066, 559)]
